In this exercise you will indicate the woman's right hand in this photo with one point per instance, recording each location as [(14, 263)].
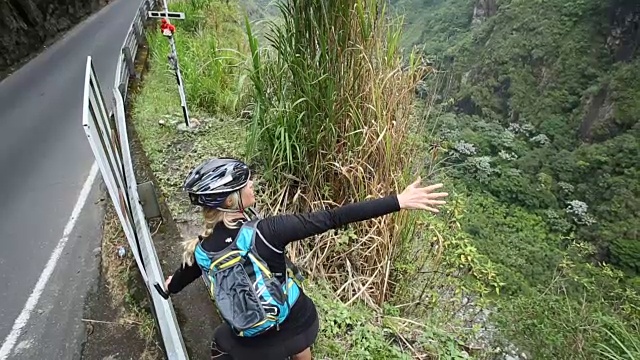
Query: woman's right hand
[(415, 197), (167, 282)]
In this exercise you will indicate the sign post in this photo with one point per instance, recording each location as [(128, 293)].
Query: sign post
[(167, 30)]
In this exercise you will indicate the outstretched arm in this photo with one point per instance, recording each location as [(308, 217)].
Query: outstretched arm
[(280, 230), (283, 229)]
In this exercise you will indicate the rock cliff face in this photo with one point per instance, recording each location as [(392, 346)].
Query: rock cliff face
[(624, 38), (483, 9), (623, 44), (26, 25)]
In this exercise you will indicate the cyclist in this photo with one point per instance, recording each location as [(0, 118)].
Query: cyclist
[(224, 190)]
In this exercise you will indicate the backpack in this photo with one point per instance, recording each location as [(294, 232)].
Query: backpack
[(248, 295)]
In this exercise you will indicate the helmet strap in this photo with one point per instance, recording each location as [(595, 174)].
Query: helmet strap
[(240, 209), (240, 202)]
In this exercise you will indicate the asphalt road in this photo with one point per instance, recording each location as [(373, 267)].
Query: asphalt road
[(45, 160)]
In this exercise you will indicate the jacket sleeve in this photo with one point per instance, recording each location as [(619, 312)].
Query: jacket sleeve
[(184, 276), (280, 230)]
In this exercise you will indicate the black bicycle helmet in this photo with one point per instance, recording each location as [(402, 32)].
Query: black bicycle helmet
[(214, 180)]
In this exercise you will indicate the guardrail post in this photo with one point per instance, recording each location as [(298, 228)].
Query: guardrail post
[(130, 63), (149, 200), (137, 32), (139, 27)]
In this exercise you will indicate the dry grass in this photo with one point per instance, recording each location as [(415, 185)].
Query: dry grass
[(119, 274), (116, 270)]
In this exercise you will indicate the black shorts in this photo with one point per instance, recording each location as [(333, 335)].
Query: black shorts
[(226, 345)]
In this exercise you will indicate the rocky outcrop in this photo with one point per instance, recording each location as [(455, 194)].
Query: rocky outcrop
[(482, 10), (623, 43), (28, 24), (624, 39), (598, 113)]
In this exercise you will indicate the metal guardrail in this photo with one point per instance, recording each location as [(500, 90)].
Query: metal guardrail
[(107, 135), (164, 313), (125, 67)]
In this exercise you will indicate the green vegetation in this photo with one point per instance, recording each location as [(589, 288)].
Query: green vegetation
[(330, 134), (529, 118), (537, 120), (371, 305), (334, 121)]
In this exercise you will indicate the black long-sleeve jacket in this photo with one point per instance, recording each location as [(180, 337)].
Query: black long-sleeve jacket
[(278, 231)]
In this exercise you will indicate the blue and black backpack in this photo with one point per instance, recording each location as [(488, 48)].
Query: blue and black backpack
[(248, 295)]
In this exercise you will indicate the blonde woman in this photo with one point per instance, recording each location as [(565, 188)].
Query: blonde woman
[(224, 190)]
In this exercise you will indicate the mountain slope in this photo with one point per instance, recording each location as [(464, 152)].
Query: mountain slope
[(538, 114)]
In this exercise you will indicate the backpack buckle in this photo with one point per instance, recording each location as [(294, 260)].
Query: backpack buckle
[(271, 310)]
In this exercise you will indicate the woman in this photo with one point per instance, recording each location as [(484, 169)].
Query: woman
[(222, 187)]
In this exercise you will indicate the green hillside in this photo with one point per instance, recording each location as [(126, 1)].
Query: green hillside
[(536, 111)]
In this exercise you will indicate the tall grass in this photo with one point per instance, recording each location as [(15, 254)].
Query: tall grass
[(333, 101), (621, 343)]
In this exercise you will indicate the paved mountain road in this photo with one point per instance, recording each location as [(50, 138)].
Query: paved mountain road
[(45, 160)]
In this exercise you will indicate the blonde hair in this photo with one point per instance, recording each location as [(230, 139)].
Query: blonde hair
[(212, 217)]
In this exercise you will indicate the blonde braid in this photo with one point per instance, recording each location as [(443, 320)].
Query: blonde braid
[(211, 218)]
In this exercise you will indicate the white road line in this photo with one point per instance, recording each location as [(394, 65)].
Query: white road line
[(32, 301)]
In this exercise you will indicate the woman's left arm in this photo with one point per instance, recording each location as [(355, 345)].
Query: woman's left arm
[(280, 230)]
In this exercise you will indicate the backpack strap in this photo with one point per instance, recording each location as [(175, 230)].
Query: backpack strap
[(253, 225), (267, 243), (289, 265)]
